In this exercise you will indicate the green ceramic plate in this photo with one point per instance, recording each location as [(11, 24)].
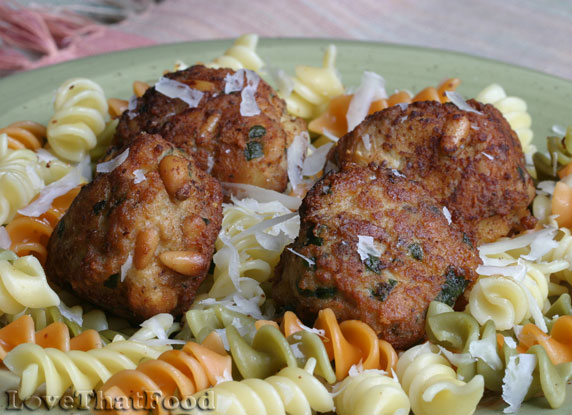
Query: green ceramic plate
[(29, 96)]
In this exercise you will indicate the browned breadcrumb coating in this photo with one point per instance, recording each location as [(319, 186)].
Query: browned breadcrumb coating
[(472, 163), (232, 147), (422, 257), (166, 224)]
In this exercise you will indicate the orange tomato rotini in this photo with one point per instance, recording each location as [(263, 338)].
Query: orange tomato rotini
[(25, 134), (558, 345), (117, 106), (30, 235), (56, 336)]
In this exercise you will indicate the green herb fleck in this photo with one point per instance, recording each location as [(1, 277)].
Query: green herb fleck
[(112, 281), (206, 221), (253, 150), (467, 240), (416, 251), (98, 207), (521, 173), (312, 239), (383, 289), (373, 264), (322, 293), (60, 228), (256, 131), (453, 287)]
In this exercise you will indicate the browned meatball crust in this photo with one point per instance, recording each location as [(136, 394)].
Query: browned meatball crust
[(422, 257), (472, 163), (232, 147), (166, 225)]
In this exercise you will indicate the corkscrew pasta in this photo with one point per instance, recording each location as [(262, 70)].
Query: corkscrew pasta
[(371, 392), (558, 344), (25, 134), (562, 252), (20, 179), (80, 370), (80, 108), (241, 55)]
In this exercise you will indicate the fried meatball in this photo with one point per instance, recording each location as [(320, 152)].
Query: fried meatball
[(232, 147), (139, 246), (471, 163), (417, 256)]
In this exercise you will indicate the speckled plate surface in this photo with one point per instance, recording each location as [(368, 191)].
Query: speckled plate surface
[(29, 96)]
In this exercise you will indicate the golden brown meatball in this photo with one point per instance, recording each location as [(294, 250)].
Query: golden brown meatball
[(419, 258), (234, 148), (471, 163), (158, 234)]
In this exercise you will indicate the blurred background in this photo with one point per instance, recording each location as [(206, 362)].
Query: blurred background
[(533, 33)]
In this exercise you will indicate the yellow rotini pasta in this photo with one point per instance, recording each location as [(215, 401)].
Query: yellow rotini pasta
[(80, 108), (82, 371), (371, 392), (432, 385), (563, 251), (514, 109), (20, 179), (23, 284), (241, 55)]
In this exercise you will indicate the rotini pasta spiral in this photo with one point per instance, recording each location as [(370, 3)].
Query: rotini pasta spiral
[(371, 392), (558, 345), (241, 55), (56, 336), (80, 108), (20, 179), (432, 384), (82, 371), (514, 109), (30, 235), (23, 284), (291, 391), (562, 252), (25, 134), (186, 371)]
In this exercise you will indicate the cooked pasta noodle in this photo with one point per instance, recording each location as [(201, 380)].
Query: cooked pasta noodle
[(242, 54), (432, 384), (80, 370), (186, 371), (23, 284), (56, 336), (514, 109), (80, 108), (30, 235), (20, 179), (558, 345), (371, 392), (25, 134), (563, 251)]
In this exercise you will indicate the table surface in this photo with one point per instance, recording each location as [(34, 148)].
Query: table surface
[(532, 33)]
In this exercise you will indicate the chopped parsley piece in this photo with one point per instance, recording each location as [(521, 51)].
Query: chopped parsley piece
[(112, 281), (322, 293), (98, 207), (467, 240), (383, 289), (373, 264), (206, 221), (416, 251), (253, 150), (453, 287), (256, 131), (313, 239)]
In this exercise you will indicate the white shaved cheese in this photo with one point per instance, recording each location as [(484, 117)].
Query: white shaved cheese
[(131, 107), (487, 155), (5, 241), (249, 307), (109, 166), (509, 244), (54, 190), (397, 173), (517, 272), (365, 247), (546, 187), (308, 260), (328, 134), (510, 342), (226, 377), (487, 352), (222, 334), (457, 359), (154, 327), (403, 119), (366, 142), (517, 380), (234, 82), (475, 127), (541, 245), (318, 332), (295, 157), (262, 195), (559, 129), (498, 262), (447, 214), (283, 83), (175, 89), (180, 65), (248, 105), (275, 243), (228, 258), (139, 176), (372, 88), (45, 156), (517, 330), (535, 310), (458, 100), (315, 162), (403, 105), (210, 163), (355, 370), (261, 226), (126, 267), (297, 351), (74, 314)]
